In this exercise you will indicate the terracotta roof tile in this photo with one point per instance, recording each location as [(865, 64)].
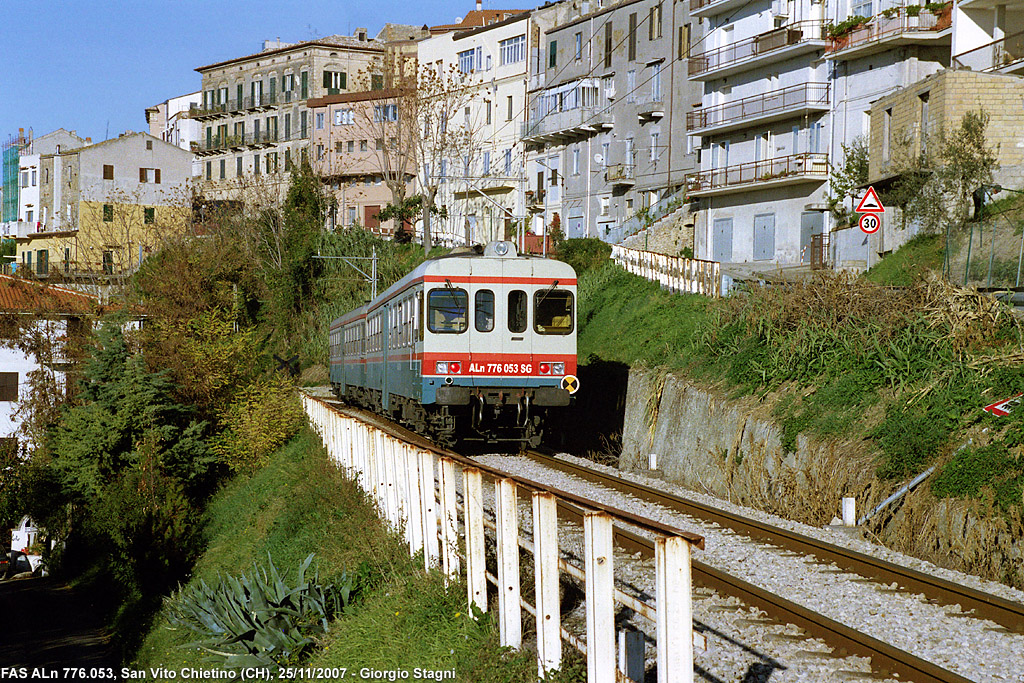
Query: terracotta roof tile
[(18, 295)]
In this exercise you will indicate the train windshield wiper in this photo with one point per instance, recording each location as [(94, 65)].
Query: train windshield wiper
[(547, 291), (455, 296)]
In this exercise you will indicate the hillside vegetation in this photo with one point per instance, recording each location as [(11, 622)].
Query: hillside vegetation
[(907, 371)]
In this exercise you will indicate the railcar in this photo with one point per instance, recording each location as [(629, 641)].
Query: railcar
[(478, 344)]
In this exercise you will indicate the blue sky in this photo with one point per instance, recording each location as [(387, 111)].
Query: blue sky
[(94, 66)]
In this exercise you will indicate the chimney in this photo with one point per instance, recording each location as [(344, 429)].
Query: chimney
[(479, 5), (361, 34), (89, 140)]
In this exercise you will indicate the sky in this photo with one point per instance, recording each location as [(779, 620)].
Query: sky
[(94, 66)]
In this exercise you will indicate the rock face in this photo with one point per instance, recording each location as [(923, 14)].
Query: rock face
[(733, 449)]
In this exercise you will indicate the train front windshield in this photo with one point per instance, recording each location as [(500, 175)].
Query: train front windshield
[(553, 311), (447, 310)]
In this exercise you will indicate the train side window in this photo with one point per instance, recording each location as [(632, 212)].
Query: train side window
[(484, 310), (517, 310), (419, 315), (447, 310), (552, 311)]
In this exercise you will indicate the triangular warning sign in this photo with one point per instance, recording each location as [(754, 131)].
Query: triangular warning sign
[(870, 203)]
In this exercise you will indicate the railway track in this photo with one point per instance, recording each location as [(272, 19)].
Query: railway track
[(886, 659)]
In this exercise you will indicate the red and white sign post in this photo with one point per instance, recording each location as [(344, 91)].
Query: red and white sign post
[(870, 208)]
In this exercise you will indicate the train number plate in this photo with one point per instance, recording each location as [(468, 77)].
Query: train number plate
[(501, 368)]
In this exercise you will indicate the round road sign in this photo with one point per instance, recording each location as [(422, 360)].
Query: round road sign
[(570, 384), (870, 223)]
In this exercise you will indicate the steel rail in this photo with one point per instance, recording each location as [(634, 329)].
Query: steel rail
[(1004, 612)]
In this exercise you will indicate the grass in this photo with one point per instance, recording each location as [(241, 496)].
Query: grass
[(402, 618), (908, 264), (906, 370)]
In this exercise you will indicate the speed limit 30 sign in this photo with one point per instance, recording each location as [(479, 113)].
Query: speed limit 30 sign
[(870, 223)]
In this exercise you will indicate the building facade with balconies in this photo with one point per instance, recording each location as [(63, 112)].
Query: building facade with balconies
[(763, 126), (253, 114), (605, 130)]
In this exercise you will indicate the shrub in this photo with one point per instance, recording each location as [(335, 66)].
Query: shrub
[(257, 619), (261, 418), (584, 254)]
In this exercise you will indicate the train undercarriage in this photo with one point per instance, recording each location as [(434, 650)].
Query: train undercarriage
[(463, 414)]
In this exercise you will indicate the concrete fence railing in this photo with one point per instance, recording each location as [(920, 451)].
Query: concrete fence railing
[(675, 273), (416, 490)]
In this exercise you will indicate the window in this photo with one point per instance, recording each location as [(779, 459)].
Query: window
[(67, 259), (319, 120), (376, 82), (508, 113), (34, 177), (149, 215), (467, 61), (209, 169), (508, 162), (552, 54), (512, 50), (488, 114), (604, 202), (362, 146), (654, 27), (656, 82), (608, 44), (861, 8), (351, 145), (579, 46), (517, 311), (304, 85), (26, 260), (256, 164), (335, 81), (238, 166), (814, 146), (385, 112), (108, 213), (654, 146), (483, 307), (446, 310), (43, 262), (608, 84), (149, 175), (223, 169), (108, 263), (108, 171), (576, 161), (684, 42), (631, 85), (343, 117), (149, 144), (632, 38), (8, 386), (552, 311), (303, 115), (487, 163)]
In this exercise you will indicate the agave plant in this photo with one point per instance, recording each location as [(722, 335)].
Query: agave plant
[(257, 619)]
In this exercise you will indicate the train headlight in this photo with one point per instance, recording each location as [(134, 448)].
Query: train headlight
[(558, 368), (545, 368), (441, 367)]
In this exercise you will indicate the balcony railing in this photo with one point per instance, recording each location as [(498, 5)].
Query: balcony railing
[(882, 27), (999, 55), (621, 174), (221, 142), (781, 170), (570, 123), (231, 106), (755, 46), (793, 98)]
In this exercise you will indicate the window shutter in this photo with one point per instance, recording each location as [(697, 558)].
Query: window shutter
[(327, 79), (343, 82), (142, 175), (157, 172)]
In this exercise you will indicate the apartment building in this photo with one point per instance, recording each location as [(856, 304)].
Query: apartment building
[(605, 132), (22, 212), (350, 132), (989, 36), (254, 116), (104, 207), (171, 122), (481, 182)]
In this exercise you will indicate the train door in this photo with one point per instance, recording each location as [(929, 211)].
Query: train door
[(513, 323)]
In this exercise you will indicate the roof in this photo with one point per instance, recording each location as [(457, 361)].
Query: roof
[(361, 96), (476, 18), (370, 45), (19, 295)]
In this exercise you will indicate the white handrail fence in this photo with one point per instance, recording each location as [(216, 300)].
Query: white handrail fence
[(415, 490), (675, 273)]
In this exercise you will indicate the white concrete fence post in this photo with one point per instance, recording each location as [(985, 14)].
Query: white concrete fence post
[(414, 500), (449, 521), (473, 503), (545, 572), (428, 515), (675, 610), (510, 614), (597, 538)]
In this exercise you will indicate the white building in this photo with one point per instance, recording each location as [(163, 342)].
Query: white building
[(170, 121), (29, 151)]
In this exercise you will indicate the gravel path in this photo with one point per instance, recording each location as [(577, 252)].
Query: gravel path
[(742, 647)]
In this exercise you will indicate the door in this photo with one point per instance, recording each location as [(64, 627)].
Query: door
[(764, 237), (811, 223), (370, 220), (721, 240)]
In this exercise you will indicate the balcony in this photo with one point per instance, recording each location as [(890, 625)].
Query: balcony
[(221, 143), (566, 125), (749, 111), (1005, 56), (759, 175), (621, 175), (884, 33), (260, 102), (650, 109), (707, 8), (794, 39)]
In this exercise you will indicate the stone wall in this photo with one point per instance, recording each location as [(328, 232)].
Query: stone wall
[(733, 449)]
